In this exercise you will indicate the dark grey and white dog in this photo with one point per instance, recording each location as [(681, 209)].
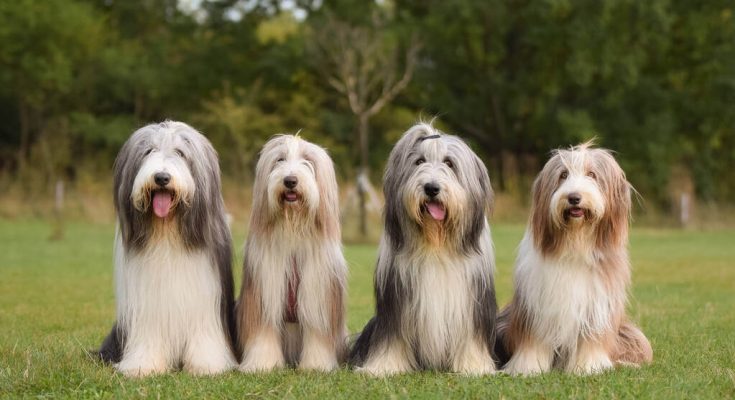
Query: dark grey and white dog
[(434, 284), (173, 273)]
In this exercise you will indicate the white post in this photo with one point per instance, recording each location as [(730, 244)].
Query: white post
[(58, 229), (684, 205)]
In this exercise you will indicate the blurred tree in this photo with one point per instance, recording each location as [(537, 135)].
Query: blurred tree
[(44, 48), (653, 80), (361, 63)]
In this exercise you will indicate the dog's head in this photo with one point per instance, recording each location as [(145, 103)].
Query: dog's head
[(166, 172), (435, 184), (295, 181), (580, 188)]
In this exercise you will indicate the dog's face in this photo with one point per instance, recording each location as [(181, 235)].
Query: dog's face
[(437, 183), (295, 179), (164, 179), (578, 188), (166, 172)]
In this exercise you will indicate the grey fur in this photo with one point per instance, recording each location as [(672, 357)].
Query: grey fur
[(201, 220)]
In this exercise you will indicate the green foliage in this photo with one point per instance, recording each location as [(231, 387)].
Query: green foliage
[(653, 80)]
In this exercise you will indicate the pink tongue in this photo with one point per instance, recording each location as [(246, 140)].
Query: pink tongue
[(291, 196), (436, 210), (576, 212), (161, 204)]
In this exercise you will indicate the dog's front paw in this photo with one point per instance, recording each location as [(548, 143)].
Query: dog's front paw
[(592, 366), (209, 367), (140, 369), (524, 366), (261, 364), (380, 371)]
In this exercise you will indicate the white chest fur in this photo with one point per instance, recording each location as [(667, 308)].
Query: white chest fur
[(167, 295), (567, 297), (439, 313)]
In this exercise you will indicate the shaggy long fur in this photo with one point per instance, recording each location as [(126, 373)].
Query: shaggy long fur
[(291, 306), (172, 271), (434, 290), (573, 271)]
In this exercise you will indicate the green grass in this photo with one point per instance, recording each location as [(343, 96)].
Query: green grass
[(56, 301)]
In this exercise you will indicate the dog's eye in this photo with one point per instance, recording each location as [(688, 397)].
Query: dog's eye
[(449, 163), (179, 153), (592, 175), (564, 175), (148, 152), (281, 159), (420, 161)]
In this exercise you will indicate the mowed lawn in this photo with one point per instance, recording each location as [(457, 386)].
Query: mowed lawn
[(57, 301)]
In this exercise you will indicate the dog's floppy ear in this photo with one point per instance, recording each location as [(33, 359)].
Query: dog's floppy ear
[(612, 231), (328, 211), (395, 175), (259, 220), (126, 166), (544, 231), (482, 200), (206, 202)]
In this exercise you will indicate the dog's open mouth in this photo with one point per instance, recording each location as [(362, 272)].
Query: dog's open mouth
[(290, 196), (575, 212), (436, 210), (162, 203)]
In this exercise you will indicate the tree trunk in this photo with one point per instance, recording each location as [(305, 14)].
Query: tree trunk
[(25, 128), (364, 171)]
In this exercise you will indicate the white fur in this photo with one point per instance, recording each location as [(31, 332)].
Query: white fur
[(569, 301), (316, 266), (439, 277), (441, 302), (391, 358), (577, 181), (168, 303), (163, 159), (285, 240), (567, 295)]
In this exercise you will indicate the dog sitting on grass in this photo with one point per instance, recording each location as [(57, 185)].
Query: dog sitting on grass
[(573, 271), (435, 296), (173, 256), (291, 306)]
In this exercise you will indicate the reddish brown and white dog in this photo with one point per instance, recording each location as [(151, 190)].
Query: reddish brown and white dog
[(573, 272), (291, 307)]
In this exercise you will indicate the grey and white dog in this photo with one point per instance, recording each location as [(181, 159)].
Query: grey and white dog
[(173, 256), (434, 284)]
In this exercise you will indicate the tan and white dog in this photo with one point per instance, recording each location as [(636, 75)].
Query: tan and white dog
[(291, 306), (572, 272)]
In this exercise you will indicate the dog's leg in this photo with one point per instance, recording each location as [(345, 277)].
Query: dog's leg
[(142, 359), (531, 357), (390, 358), (318, 352), (207, 353), (473, 359), (592, 357), (264, 351)]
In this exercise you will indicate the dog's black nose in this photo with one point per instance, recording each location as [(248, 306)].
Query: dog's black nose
[(574, 198), (162, 178), (431, 189), (290, 181)]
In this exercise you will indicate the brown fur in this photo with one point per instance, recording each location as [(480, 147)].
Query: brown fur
[(248, 311), (625, 344), (631, 346), (337, 320)]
